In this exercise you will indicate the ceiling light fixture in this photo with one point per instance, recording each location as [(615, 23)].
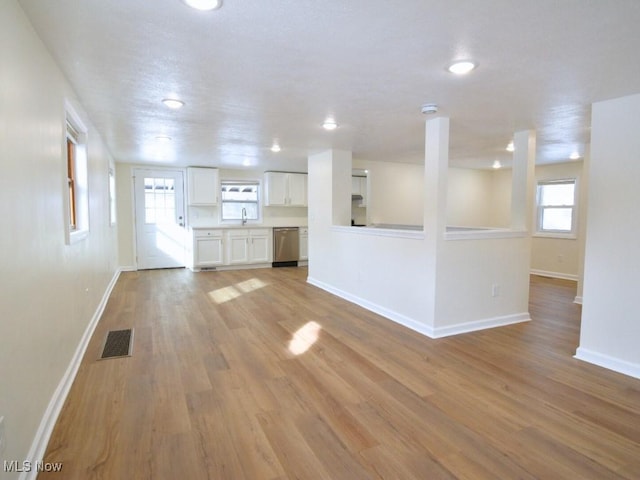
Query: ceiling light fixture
[(203, 5), (329, 124), (574, 156), (173, 103), (163, 138), (275, 148), (496, 164), (510, 147), (461, 67)]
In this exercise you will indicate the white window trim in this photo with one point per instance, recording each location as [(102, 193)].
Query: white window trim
[(539, 233), (81, 231), (258, 221)]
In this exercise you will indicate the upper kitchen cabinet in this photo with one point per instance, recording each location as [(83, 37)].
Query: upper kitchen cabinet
[(202, 186), (285, 189)]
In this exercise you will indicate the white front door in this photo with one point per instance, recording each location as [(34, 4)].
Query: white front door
[(160, 225)]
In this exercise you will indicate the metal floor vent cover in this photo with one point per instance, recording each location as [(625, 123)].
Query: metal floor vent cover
[(118, 343)]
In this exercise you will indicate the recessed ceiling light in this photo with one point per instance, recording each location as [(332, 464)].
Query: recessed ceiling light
[(461, 67), (574, 156), (275, 148), (510, 147), (496, 164), (163, 138), (173, 103), (204, 4), (246, 162), (329, 124)]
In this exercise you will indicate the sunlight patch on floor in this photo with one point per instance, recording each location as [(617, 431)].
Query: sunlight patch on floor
[(231, 292), (304, 338)]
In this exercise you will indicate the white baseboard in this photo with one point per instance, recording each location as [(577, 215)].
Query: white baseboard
[(128, 268), (41, 440), (578, 300), (419, 327), (483, 324), (562, 276), (375, 308), (612, 363)]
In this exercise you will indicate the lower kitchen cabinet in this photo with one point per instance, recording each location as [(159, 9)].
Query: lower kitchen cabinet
[(208, 248), (304, 243), (231, 247), (249, 246)]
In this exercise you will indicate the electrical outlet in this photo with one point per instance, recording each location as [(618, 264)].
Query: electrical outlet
[(2, 439), (495, 290)]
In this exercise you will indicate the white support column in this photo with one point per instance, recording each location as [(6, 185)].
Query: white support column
[(436, 164), (341, 161), (524, 159)]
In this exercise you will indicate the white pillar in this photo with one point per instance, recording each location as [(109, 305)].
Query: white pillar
[(436, 164), (524, 159)]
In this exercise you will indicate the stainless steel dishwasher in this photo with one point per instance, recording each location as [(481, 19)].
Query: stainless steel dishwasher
[(286, 247)]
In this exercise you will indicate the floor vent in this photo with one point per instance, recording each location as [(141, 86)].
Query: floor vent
[(118, 344)]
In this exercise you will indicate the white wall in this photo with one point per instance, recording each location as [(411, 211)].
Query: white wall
[(396, 192), (50, 290), (469, 197), (558, 257), (610, 333)]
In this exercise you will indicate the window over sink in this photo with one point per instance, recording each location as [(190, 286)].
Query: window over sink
[(240, 200)]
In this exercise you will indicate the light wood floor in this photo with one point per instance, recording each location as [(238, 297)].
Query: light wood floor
[(213, 390)]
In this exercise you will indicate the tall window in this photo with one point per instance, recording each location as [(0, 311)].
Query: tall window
[(240, 200), (77, 189), (556, 206), (72, 141)]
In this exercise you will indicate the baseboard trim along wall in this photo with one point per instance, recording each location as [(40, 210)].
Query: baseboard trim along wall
[(375, 308), (578, 300), (50, 417), (481, 324), (562, 276), (611, 363), (438, 332)]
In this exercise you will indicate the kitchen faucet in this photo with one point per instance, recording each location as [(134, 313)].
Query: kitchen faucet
[(244, 215)]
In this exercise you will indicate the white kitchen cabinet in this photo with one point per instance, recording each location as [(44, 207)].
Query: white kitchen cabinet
[(238, 246), (202, 186), (298, 189), (208, 248), (260, 250), (304, 243), (285, 189), (248, 246)]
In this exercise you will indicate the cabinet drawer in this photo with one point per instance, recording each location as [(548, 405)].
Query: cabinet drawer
[(204, 233)]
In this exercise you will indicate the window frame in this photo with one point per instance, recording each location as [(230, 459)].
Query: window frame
[(540, 209), (258, 202), (76, 177)]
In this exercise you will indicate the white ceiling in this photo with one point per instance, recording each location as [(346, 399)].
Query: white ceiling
[(256, 71)]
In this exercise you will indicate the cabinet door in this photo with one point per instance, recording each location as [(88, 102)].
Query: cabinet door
[(304, 244), (275, 189), (202, 186), (298, 190), (209, 252), (260, 247), (237, 246)]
